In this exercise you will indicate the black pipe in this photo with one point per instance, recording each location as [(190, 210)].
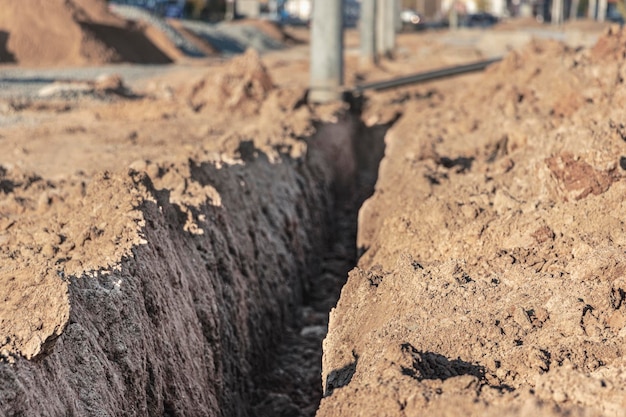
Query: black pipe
[(426, 76)]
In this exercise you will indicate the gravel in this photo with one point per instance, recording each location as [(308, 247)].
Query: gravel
[(226, 38), (233, 39), (139, 14), (24, 83)]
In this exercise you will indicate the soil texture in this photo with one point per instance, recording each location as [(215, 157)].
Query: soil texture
[(492, 276), (71, 32), (173, 245)]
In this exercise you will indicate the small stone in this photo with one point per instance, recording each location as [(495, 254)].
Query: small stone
[(318, 332)]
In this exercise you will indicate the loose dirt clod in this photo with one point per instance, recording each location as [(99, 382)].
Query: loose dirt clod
[(243, 86)]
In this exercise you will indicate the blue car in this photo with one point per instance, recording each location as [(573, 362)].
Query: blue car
[(174, 10)]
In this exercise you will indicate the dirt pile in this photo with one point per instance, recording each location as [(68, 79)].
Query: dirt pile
[(243, 85), (34, 273), (493, 275), (73, 32)]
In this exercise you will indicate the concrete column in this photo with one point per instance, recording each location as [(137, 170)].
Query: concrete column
[(557, 12), (573, 10), (380, 27), (367, 33), (273, 8), (326, 51), (397, 22), (390, 28), (230, 10), (591, 11), (602, 10), (385, 27), (453, 17)]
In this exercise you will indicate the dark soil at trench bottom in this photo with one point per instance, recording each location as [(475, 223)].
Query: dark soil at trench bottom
[(289, 385)]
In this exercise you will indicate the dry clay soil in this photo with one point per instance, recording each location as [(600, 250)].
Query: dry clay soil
[(153, 247)]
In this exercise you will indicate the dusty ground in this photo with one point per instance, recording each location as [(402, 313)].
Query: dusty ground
[(172, 244)]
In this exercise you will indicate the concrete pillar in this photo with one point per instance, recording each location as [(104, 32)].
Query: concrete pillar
[(397, 22), (602, 10), (367, 33), (573, 11), (557, 12), (380, 27), (273, 8), (230, 10), (385, 27), (453, 18), (326, 51), (390, 27), (591, 11)]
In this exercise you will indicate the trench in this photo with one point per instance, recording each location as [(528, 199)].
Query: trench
[(228, 322), (289, 382)]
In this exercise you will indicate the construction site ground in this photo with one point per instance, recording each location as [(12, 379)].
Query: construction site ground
[(173, 237)]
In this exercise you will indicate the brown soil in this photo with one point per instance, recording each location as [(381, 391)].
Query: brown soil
[(175, 249), (76, 32), (492, 279)]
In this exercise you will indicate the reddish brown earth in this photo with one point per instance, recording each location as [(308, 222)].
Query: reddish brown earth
[(174, 247)]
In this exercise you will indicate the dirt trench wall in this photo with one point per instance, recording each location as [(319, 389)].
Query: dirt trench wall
[(493, 278), (178, 326)]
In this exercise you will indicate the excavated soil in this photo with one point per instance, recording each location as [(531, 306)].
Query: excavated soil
[(492, 280), (74, 32), (174, 246)]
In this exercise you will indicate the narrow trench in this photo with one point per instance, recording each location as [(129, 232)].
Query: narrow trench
[(290, 384)]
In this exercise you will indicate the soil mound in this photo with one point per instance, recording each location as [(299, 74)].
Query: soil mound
[(73, 32), (244, 85), (492, 279)]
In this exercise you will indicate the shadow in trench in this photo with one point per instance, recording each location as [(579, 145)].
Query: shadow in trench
[(430, 365), (290, 385), (5, 55)]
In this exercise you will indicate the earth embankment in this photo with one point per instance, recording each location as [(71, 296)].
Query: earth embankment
[(492, 278), (69, 33)]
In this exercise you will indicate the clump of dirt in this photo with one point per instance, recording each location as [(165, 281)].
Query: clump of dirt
[(36, 259), (243, 85), (492, 279), (73, 32)]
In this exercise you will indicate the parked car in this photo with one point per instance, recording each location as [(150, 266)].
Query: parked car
[(613, 14), (411, 20), (174, 9), (481, 19)]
